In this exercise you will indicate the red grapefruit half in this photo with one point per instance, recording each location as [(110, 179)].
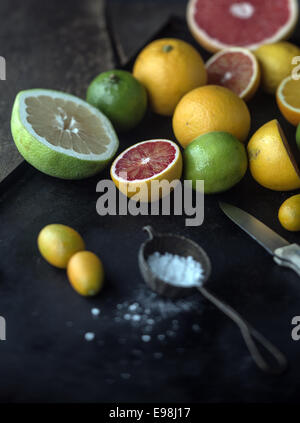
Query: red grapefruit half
[(219, 24), (134, 169), (235, 68)]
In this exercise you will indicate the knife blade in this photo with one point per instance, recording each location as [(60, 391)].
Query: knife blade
[(260, 232)]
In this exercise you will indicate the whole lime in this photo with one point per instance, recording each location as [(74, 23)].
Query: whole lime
[(218, 158), (121, 97)]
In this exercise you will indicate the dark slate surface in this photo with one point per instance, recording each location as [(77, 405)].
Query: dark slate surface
[(57, 45), (46, 358), (133, 22)]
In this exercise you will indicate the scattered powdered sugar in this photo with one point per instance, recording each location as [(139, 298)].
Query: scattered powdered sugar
[(95, 311), (151, 308), (89, 336), (176, 270), (156, 318)]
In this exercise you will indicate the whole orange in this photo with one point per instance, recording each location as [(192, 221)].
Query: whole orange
[(169, 68), (207, 109)]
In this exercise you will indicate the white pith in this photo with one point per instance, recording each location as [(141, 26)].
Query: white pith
[(110, 148), (243, 51), (281, 96), (279, 35), (151, 177)]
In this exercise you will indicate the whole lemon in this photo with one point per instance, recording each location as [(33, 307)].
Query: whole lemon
[(169, 68), (57, 244), (289, 213), (85, 273), (276, 63), (218, 158), (210, 108), (270, 159)]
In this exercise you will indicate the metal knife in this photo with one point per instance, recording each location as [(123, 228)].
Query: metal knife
[(284, 253)]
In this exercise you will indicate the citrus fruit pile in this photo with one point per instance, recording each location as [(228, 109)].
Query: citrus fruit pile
[(63, 247), (67, 137)]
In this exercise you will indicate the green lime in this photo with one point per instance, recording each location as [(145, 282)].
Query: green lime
[(218, 158), (62, 135), (298, 136), (120, 97)]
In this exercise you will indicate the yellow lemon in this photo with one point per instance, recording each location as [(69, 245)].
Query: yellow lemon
[(289, 213), (57, 243), (270, 159), (169, 68), (276, 63), (85, 273), (207, 109)]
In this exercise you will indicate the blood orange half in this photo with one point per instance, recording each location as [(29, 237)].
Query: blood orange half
[(220, 24), (235, 68), (134, 169)]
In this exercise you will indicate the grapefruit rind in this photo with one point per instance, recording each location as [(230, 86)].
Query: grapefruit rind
[(213, 45), (253, 85), (55, 160)]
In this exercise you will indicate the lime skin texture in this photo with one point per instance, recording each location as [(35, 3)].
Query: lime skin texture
[(218, 158), (120, 96)]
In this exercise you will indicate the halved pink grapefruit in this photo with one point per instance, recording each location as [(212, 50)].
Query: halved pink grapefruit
[(235, 68), (154, 160), (219, 24)]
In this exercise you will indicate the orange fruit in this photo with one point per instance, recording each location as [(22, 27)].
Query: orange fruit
[(270, 160), (169, 68), (288, 99), (85, 273), (57, 244), (226, 23), (207, 109), (235, 68), (289, 213), (138, 166)]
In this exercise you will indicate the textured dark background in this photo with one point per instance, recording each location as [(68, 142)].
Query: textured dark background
[(62, 45)]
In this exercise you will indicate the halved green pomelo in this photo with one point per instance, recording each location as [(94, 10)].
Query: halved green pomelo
[(62, 135)]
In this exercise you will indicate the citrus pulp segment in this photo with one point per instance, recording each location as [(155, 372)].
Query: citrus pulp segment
[(235, 68), (139, 165)]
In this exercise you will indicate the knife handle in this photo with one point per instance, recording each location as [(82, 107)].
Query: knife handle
[(288, 256)]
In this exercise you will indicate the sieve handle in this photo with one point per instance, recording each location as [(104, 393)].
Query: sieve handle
[(252, 337)]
